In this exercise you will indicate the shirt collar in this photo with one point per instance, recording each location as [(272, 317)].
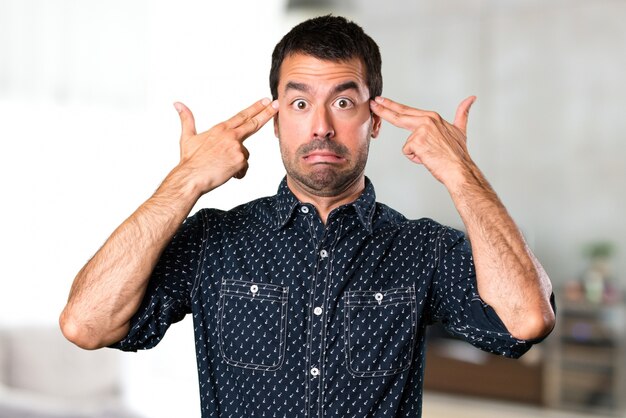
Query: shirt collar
[(364, 205)]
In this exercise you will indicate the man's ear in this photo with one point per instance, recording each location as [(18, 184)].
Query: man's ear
[(376, 124), (276, 128)]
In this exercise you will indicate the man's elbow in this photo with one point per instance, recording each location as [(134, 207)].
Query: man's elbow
[(535, 326), (78, 333)]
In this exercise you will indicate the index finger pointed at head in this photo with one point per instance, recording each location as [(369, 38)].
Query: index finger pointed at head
[(247, 114), (397, 114), (258, 120)]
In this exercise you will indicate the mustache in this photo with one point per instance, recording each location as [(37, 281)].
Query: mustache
[(318, 145)]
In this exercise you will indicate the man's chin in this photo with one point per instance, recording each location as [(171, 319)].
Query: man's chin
[(324, 181)]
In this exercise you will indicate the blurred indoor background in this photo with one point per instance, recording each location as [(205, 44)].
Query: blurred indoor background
[(88, 130)]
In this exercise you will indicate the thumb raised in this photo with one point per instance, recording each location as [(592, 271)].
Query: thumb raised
[(462, 113), (187, 121)]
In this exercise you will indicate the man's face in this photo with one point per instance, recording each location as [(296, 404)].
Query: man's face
[(324, 123)]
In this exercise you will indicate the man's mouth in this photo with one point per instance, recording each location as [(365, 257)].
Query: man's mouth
[(323, 156)]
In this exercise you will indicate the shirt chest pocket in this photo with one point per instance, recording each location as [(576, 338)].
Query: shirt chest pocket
[(253, 324), (379, 331)]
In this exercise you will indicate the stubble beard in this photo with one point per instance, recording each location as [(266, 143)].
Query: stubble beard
[(326, 179)]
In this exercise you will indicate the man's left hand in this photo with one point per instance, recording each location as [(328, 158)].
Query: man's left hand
[(437, 144)]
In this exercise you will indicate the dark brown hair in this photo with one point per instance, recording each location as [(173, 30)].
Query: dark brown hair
[(332, 38)]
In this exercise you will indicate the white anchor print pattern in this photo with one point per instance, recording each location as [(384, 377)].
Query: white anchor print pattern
[(294, 318)]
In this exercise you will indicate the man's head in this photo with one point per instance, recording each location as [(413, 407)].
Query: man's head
[(330, 38), (324, 72)]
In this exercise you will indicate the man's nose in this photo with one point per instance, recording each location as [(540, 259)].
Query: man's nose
[(323, 124)]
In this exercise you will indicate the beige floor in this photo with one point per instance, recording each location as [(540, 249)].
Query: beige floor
[(447, 406)]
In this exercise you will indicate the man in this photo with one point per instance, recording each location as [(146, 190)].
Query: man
[(314, 302)]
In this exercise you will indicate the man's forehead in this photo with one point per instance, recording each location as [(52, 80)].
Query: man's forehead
[(302, 71), (301, 65)]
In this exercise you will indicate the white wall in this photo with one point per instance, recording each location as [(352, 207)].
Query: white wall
[(87, 129)]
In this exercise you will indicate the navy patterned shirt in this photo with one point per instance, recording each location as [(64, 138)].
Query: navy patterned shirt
[(294, 318)]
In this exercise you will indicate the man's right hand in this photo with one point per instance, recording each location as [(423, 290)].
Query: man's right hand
[(109, 289), (209, 159)]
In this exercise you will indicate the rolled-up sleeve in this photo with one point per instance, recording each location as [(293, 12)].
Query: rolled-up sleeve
[(168, 296), (457, 305)]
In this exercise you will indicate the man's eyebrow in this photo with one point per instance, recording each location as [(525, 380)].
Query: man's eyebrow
[(292, 85), (348, 85)]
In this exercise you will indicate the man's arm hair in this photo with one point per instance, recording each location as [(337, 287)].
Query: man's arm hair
[(109, 289), (509, 277)]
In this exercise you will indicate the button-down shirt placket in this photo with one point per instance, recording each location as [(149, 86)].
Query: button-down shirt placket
[(319, 304)]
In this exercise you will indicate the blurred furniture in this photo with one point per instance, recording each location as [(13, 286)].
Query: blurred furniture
[(42, 375), (454, 366), (587, 367)]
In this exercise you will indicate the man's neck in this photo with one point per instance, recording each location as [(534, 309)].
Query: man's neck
[(325, 204)]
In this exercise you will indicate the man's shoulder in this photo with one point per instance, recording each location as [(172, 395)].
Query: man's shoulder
[(262, 208), (387, 216)]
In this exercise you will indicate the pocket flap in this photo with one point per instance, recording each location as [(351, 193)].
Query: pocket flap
[(379, 297), (254, 290)]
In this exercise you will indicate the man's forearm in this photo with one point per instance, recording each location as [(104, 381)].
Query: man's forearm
[(510, 279), (109, 289)]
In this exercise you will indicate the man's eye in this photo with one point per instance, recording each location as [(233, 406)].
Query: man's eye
[(300, 104), (344, 103)]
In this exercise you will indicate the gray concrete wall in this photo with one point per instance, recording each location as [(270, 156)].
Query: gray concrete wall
[(549, 125)]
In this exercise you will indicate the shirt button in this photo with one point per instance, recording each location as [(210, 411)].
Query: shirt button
[(378, 296), (304, 209), (315, 371), (323, 253), (254, 288), (317, 311)]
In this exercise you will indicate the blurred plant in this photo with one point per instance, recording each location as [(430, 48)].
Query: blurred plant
[(597, 281), (599, 249)]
